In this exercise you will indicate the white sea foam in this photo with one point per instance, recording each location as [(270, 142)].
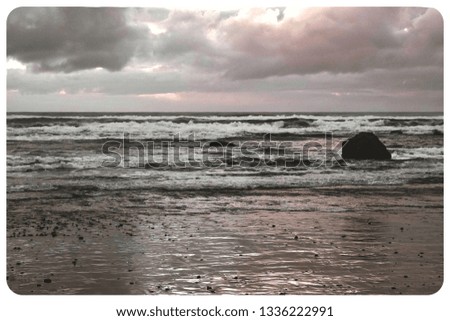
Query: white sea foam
[(44, 163), (215, 128), (143, 130), (418, 153)]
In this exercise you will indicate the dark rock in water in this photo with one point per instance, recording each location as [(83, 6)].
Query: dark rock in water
[(396, 132), (365, 145), (437, 132), (47, 281)]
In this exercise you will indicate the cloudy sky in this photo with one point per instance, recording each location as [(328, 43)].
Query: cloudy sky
[(266, 59)]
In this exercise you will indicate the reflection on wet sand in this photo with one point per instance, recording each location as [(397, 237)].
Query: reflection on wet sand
[(329, 240)]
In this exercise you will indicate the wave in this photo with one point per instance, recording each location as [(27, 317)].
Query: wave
[(87, 127), (28, 163), (146, 130), (224, 179), (418, 153), (46, 163)]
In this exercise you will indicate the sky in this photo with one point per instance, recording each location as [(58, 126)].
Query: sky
[(247, 60)]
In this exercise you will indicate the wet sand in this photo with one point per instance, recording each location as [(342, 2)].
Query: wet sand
[(328, 240)]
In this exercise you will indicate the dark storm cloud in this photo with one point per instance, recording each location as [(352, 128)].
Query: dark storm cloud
[(189, 40), (257, 44), (335, 40), (70, 39), (261, 43)]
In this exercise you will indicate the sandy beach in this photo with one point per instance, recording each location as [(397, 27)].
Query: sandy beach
[(324, 240)]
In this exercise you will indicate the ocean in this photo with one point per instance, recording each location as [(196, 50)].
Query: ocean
[(223, 203)]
